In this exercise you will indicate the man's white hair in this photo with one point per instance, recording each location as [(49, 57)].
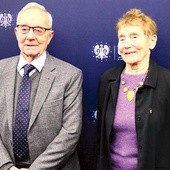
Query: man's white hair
[(35, 5)]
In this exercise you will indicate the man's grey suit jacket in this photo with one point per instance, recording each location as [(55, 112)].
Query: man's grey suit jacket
[(55, 119)]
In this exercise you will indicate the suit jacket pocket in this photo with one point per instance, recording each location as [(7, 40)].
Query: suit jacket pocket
[(51, 114)]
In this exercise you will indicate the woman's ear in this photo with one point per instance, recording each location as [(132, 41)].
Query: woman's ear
[(153, 41)]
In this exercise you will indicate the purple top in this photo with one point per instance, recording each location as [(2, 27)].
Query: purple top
[(123, 148)]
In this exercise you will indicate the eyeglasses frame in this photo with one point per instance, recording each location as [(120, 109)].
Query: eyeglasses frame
[(46, 29)]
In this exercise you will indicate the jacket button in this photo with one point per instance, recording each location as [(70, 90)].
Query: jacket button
[(140, 90), (138, 118), (150, 111), (140, 147)]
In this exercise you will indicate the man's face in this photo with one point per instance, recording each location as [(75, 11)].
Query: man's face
[(30, 44)]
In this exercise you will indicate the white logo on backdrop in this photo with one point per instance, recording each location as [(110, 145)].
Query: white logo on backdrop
[(6, 19), (94, 116), (115, 53), (101, 51)]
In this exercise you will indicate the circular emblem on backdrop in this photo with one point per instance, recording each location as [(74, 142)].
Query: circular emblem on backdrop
[(101, 51), (6, 20)]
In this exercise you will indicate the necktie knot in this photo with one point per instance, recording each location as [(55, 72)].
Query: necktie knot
[(28, 68)]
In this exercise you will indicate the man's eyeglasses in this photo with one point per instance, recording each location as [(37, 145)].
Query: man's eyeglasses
[(25, 29)]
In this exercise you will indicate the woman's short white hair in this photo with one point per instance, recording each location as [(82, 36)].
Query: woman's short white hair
[(33, 5)]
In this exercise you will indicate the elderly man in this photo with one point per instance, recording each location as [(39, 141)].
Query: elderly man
[(40, 100)]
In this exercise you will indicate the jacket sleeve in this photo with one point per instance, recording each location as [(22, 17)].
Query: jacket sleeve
[(5, 160)]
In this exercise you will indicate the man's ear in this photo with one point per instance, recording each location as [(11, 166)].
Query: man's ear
[(15, 31), (50, 36)]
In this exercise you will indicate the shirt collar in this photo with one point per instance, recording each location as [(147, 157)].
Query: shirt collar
[(38, 63)]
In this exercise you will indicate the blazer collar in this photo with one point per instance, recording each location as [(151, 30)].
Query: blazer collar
[(151, 77)]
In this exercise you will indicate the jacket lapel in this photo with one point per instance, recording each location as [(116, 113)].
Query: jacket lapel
[(114, 81), (114, 88), (44, 87), (9, 87)]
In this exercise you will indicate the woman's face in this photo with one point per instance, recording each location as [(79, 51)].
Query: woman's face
[(133, 45)]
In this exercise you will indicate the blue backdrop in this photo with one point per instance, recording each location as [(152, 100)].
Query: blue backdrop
[(85, 36)]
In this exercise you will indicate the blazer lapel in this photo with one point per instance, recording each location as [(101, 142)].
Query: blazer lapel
[(114, 81), (44, 86), (9, 87), (114, 88)]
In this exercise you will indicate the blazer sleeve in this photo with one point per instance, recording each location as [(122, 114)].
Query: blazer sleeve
[(5, 159)]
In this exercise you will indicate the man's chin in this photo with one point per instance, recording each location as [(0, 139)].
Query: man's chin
[(30, 55)]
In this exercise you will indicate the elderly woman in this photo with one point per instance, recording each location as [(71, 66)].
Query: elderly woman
[(133, 121)]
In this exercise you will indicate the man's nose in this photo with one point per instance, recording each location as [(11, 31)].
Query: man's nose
[(31, 34)]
